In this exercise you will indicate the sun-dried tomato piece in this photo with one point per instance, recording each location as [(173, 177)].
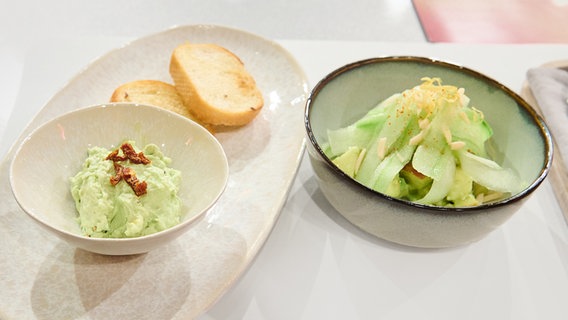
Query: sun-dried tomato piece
[(139, 187), (113, 156), (128, 154), (128, 174), (114, 180), (131, 154)]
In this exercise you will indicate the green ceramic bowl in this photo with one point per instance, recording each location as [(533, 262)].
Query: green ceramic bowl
[(346, 94)]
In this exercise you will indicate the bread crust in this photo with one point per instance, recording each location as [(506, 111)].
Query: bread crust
[(214, 84)]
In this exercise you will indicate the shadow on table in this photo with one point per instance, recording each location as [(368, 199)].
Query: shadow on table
[(73, 283)]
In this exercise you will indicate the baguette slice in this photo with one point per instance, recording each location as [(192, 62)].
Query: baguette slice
[(152, 92), (155, 93), (215, 85)]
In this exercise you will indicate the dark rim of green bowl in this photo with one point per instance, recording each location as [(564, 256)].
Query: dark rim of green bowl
[(518, 99)]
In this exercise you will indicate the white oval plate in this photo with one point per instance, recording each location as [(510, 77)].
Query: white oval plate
[(185, 278)]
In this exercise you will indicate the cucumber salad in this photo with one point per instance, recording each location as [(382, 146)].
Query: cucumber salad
[(425, 145)]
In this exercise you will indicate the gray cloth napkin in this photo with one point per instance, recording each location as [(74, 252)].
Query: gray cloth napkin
[(549, 87)]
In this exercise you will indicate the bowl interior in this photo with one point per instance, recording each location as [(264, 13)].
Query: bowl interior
[(520, 141), (54, 152)]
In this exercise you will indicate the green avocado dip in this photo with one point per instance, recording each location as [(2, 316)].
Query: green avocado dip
[(125, 193)]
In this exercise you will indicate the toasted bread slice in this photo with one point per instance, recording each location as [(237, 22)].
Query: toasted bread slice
[(215, 85), (152, 92), (156, 93)]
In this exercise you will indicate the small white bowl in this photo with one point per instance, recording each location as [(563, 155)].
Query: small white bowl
[(52, 153)]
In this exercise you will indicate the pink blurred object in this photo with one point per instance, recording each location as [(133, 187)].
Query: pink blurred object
[(494, 21)]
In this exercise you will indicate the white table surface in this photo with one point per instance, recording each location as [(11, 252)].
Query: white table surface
[(315, 265)]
